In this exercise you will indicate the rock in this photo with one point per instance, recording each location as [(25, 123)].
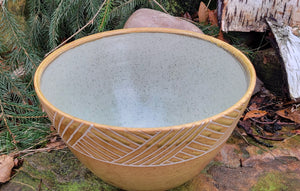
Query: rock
[(229, 155), (203, 182), (153, 18)]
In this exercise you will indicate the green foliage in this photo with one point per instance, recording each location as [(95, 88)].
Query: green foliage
[(178, 8), (29, 30), (14, 40), (104, 15), (20, 115)]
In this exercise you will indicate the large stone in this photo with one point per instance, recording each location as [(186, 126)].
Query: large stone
[(153, 18)]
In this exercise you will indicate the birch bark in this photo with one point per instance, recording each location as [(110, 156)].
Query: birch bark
[(250, 15), (289, 48)]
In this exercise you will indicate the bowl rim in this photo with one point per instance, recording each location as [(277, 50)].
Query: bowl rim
[(243, 60)]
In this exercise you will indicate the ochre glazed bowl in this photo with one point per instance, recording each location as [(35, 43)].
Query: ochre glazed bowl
[(148, 108)]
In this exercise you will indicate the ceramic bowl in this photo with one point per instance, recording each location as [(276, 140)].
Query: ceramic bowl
[(147, 108)]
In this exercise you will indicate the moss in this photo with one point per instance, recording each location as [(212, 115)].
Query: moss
[(260, 151), (212, 163), (236, 151), (84, 186), (295, 140), (58, 170), (273, 181), (184, 187)]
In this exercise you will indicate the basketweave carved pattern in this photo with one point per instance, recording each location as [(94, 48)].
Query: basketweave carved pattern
[(144, 148)]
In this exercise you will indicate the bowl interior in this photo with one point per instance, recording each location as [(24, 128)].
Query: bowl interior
[(144, 80)]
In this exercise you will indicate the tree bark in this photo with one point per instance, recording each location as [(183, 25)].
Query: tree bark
[(289, 49), (250, 15)]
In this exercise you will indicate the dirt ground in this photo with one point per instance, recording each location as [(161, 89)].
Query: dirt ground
[(239, 166)]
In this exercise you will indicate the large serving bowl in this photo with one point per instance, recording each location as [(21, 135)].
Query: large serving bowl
[(147, 108)]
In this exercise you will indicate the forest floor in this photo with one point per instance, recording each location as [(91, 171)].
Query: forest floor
[(238, 166), (263, 153)]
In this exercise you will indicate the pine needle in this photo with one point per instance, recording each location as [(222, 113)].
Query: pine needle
[(87, 24), (104, 16), (3, 117)]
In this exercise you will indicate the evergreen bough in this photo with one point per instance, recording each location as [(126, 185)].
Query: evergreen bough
[(26, 37)]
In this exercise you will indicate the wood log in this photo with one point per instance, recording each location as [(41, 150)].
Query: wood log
[(250, 15), (289, 49), (269, 69)]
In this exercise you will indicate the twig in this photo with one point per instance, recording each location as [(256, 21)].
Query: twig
[(260, 142), (271, 138), (160, 6), (40, 185), (208, 4), (39, 143), (285, 123), (243, 137), (250, 134), (263, 122), (28, 152), (260, 129), (291, 137), (23, 184), (87, 24)]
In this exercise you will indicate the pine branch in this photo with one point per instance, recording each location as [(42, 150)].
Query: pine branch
[(53, 29), (105, 14), (38, 22), (160, 6), (87, 24), (6, 123), (48, 24), (15, 38), (127, 7)]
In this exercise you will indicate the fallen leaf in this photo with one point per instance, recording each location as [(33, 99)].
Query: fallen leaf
[(187, 16), (265, 61), (202, 13), (258, 100), (53, 139), (290, 113), (213, 17), (52, 129), (6, 164), (221, 36), (253, 106), (16, 162), (297, 131), (254, 114)]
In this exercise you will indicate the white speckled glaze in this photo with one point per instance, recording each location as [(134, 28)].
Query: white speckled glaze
[(144, 80)]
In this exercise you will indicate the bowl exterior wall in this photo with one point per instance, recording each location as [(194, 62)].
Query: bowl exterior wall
[(147, 178), (146, 160)]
